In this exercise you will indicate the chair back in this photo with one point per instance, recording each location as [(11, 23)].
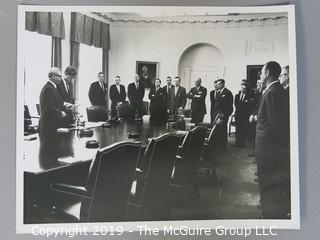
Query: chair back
[(109, 182), (190, 153), (146, 107), (194, 146), (97, 114), (125, 111), (159, 159)]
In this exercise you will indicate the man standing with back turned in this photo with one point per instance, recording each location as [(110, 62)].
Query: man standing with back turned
[(272, 145), (52, 111)]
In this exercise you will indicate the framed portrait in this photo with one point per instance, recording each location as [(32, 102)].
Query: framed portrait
[(148, 72)]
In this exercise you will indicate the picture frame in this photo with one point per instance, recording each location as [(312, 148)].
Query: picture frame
[(148, 72)]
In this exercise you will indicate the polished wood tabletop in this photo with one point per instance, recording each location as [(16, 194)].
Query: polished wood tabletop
[(70, 147)]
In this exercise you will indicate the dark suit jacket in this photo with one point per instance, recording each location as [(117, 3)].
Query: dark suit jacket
[(273, 117), (180, 98), (115, 96), (135, 95), (97, 95), (198, 104), (224, 104), (51, 107), (213, 101), (169, 97), (157, 102), (65, 94), (256, 102), (244, 107)]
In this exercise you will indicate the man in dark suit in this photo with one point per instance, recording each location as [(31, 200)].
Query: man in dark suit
[(180, 97), (223, 108), (255, 108), (98, 91), (272, 146), (243, 103), (136, 95), (52, 111), (198, 105), (157, 104), (65, 88), (213, 97), (117, 95), (65, 91), (169, 97)]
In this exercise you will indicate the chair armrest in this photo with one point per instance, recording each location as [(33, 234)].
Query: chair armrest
[(180, 152), (139, 173), (73, 190)]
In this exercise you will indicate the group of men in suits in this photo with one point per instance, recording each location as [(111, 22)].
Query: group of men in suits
[(56, 102)]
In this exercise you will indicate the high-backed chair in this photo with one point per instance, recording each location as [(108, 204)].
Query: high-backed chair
[(106, 193), (125, 111), (153, 177), (29, 128), (187, 160), (207, 164), (146, 108), (97, 114)]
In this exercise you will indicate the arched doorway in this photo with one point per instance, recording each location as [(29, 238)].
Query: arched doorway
[(205, 61)]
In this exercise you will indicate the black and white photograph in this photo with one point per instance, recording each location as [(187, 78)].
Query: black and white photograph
[(158, 115)]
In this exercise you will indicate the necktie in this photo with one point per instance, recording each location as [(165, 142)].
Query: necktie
[(242, 97)]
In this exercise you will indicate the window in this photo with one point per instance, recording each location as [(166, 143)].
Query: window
[(37, 62), (90, 63)]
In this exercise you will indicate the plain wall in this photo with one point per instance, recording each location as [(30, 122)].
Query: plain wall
[(165, 43)]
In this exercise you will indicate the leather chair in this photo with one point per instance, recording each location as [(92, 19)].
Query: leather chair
[(146, 106), (125, 111), (106, 193), (187, 161), (232, 124), (207, 163), (153, 177), (29, 128), (97, 114)]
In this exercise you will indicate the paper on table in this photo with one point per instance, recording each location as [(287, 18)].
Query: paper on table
[(67, 159)]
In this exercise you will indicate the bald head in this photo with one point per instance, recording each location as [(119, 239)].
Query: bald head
[(55, 75)]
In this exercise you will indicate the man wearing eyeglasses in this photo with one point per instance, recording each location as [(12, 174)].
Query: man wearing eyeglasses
[(52, 111)]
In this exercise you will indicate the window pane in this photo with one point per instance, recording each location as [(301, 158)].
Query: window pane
[(37, 58), (90, 63)]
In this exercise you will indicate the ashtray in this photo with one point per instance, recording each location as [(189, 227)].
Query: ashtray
[(92, 144)]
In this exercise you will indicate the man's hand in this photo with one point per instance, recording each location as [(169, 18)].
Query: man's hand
[(68, 105), (63, 114)]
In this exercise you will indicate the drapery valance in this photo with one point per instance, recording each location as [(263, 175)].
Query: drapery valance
[(48, 23), (89, 31)]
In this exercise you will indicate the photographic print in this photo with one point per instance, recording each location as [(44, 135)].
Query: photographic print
[(158, 116)]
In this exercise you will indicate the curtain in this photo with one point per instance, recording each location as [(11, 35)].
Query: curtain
[(48, 23), (89, 31), (74, 62), (105, 70), (56, 53)]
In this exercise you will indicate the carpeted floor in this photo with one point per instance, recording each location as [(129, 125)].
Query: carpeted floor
[(236, 196)]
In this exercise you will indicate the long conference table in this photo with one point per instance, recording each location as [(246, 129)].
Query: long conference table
[(68, 159)]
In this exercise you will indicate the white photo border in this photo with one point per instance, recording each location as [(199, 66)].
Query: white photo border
[(293, 223)]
